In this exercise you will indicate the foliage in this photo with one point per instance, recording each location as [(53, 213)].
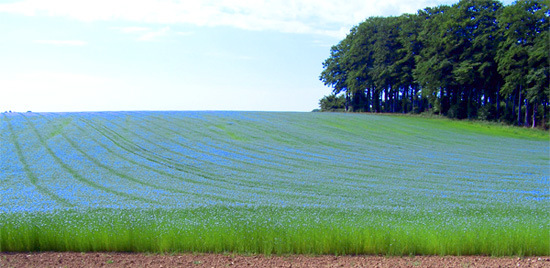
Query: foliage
[(333, 103), (461, 61)]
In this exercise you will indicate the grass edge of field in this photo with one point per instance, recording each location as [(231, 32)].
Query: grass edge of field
[(478, 126), (119, 232)]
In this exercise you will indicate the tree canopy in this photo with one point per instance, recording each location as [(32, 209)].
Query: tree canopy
[(476, 59)]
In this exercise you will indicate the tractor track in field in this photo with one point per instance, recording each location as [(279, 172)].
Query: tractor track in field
[(207, 178), (279, 152), (277, 157), (153, 157), (243, 183), (26, 167), (144, 155), (79, 177), (122, 175), (280, 161)]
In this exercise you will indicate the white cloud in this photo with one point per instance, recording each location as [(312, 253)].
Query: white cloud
[(228, 56), (148, 33), (184, 33), (62, 42), (131, 29), (324, 17), (151, 35)]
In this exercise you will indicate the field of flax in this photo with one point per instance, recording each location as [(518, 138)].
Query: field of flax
[(271, 183)]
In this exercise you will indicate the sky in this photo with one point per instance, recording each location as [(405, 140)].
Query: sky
[(128, 55)]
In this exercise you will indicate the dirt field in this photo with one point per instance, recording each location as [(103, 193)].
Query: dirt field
[(55, 259)]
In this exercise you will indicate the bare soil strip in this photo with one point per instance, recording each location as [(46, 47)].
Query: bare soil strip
[(109, 259)]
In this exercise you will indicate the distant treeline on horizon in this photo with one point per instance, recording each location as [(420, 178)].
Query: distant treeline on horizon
[(476, 59)]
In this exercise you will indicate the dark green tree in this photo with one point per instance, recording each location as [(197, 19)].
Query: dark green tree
[(433, 70), (335, 70), (461, 61), (538, 77), (408, 26), (358, 60), (476, 27), (524, 26), (333, 103)]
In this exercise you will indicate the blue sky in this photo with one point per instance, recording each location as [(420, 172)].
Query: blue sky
[(108, 55)]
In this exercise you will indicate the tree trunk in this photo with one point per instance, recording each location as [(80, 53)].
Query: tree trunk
[(386, 100), (469, 107), (392, 96), (375, 103), (512, 99), (519, 107), (395, 99), (534, 114), (413, 94), (497, 117), (367, 101), (347, 101), (381, 100), (404, 100), (544, 115), (526, 122)]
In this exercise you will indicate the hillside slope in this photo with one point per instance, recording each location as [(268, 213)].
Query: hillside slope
[(272, 183)]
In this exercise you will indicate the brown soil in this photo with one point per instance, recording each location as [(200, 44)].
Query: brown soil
[(71, 259)]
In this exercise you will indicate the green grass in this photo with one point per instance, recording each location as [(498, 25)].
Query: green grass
[(272, 183), (483, 127), (271, 231)]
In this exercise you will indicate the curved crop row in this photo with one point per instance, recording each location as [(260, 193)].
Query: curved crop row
[(268, 183)]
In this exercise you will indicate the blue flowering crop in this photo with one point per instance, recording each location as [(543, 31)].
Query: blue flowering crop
[(272, 183)]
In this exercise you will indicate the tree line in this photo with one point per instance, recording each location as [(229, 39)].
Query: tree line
[(476, 59)]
